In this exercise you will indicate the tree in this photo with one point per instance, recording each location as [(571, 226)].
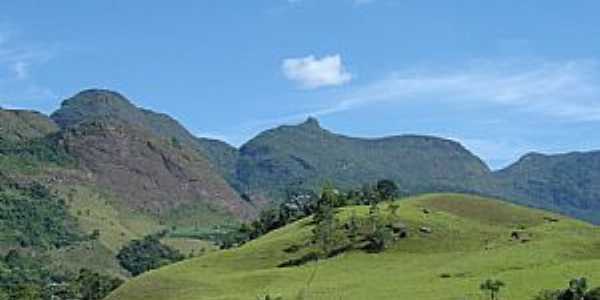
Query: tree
[(326, 203), (353, 227), (393, 209), (139, 256), (27, 291), (378, 233), (593, 294), (576, 291), (93, 286), (492, 287), (577, 288), (325, 233), (387, 189)]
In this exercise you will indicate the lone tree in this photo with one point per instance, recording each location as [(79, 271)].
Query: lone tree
[(492, 287), (387, 189)]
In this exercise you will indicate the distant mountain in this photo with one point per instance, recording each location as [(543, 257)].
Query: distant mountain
[(306, 155), (112, 138), (150, 174), (147, 157), (567, 183), (97, 104)]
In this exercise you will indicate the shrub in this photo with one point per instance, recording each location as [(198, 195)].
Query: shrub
[(139, 256)]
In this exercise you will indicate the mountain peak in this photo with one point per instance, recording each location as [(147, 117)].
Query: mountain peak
[(93, 103), (98, 97), (311, 122), (98, 92)]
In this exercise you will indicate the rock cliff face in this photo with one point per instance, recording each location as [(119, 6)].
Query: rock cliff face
[(147, 159)]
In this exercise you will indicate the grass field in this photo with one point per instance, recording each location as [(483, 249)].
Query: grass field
[(470, 242), (95, 210)]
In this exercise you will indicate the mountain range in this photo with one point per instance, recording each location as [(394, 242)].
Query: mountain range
[(154, 165)]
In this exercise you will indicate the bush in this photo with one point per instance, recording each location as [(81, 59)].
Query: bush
[(27, 277), (577, 289), (94, 286), (139, 256)]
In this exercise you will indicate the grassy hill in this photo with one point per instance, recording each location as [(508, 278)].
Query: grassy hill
[(470, 241)]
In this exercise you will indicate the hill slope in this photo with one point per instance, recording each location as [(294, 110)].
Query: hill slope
[(470, 242)]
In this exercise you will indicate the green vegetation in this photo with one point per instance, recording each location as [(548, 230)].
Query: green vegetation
[(577, 290), (306, 156), (25, 277), (32, 156), (33, 217), (469, 240), (139, 256), (22, 125), (303, 203), (565, 183), (492, 287)]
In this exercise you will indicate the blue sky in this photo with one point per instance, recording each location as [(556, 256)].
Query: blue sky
[(503, 77)]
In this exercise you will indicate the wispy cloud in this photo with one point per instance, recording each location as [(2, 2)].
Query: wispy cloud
[(311, 72), (567, 90), (17, 58)]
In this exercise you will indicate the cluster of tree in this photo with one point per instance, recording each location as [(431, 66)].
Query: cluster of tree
[(303, 203), (139, 256), (25, 277), (32, 217), (375, 233), (33, 153), (578, 289)]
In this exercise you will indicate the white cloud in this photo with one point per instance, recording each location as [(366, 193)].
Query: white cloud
[(311, 72)]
